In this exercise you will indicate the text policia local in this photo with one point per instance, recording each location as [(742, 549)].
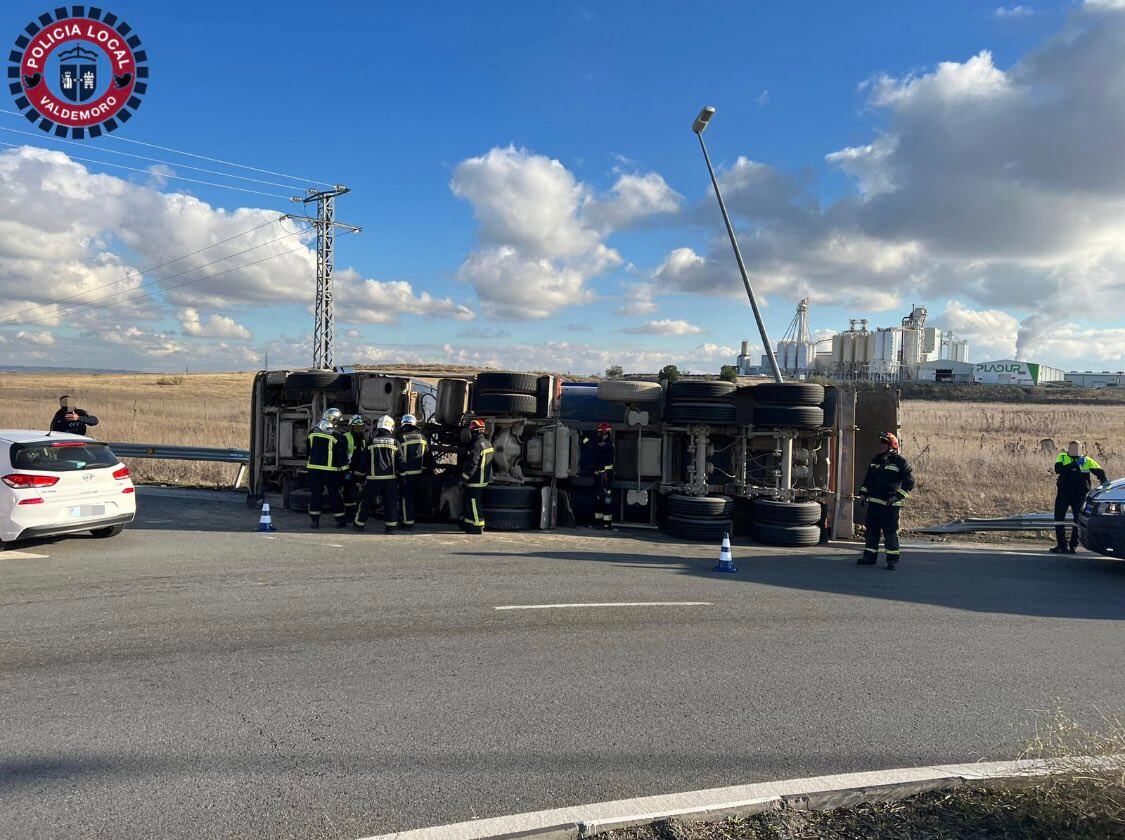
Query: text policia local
[(106, 38)]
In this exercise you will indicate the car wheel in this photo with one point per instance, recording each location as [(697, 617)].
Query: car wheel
[(788, 416), (785, 535), (111, 531), (785, 513), (489, 403), (628, 391), (491, 382)]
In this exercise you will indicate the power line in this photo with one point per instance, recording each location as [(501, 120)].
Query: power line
[(147, 172), (199, 157), (149, 159), (156, 282), (141, 272), (196, 280)]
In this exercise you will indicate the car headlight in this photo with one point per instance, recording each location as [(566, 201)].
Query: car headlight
[(1111, 508)]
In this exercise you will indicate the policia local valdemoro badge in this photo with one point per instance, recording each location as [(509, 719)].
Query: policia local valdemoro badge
[(78, 72)]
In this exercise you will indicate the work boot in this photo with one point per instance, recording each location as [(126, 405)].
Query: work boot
[(314, 522), (1074, 549), (891, 566), (358, 527), (1058, 549), (406, 527), (341, 522), (867, 560), (390, 529)]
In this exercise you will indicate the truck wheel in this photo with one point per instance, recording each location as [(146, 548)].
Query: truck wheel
[(489, 403), (504, 497), (788, 393), (786, 535), (491, 382), (702, 413), (700, 507), (628, 391), (504, 519), (788, 416), (709, 530), (699, 389), (316, 380), (770, 511)]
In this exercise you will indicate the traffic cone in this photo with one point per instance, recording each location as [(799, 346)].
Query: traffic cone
[(265, 521), (726, 562)]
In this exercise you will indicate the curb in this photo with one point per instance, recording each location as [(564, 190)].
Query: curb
[(815, 793)]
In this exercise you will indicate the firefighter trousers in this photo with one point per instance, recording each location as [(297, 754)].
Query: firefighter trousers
[(381, 488), (321, 482), (1063, 503), (882, 521), (603, 502), (474, 510), (409, 491)]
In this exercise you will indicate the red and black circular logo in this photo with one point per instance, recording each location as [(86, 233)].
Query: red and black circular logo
[(78, 72)]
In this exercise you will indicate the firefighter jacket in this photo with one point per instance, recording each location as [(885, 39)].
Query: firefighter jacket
[(354, 441), (601, 452), (412, 454), (889, 479), (478, 466), (378, 461), (327, 452), (1074, 474)]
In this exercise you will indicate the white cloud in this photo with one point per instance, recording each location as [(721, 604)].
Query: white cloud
[(1017, 11), (484, 333), (41, 339), (542, 232), (762, 99), (638, 300), (666, 326), (216, 326), (363, 301), (991, 332)]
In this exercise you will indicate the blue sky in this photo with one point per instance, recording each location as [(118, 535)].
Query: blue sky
[(398, 100)]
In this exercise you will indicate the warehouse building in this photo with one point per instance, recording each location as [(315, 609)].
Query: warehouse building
[(1094, 379), (1016, 372), (946, 370)]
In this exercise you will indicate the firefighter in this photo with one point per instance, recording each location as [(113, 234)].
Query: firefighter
[(602, 457), (1073, 483), (327, 454), (411, 462), (378, 466), (354, 440), (888, 482), (475, 476)]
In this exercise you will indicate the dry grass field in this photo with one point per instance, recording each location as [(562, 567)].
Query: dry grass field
[(979, 459)]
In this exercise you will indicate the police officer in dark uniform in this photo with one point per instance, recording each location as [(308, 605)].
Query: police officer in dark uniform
[(1073, 483), (412, 460), (327, 458), (378, 465), (888, 482), (353, 439), (602, 456), (475, 476)]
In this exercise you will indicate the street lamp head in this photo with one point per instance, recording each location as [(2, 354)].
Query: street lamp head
[(702, 120)]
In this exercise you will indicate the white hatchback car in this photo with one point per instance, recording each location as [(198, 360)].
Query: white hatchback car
[(58, 484)]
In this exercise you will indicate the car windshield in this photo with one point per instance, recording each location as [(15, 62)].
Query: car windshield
[(62, 456)]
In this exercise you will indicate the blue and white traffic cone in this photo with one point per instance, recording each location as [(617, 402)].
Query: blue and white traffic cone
[(265, 522), (726, 562)]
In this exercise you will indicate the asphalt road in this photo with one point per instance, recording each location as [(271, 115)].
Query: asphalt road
[(192, 678)]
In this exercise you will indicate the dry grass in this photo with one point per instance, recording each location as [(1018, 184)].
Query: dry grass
[(978, 459), (193, 409), (985, 459)]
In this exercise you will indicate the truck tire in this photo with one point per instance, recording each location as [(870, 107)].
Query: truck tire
[(701, 413), (505, 497), (788, 393), (317, 380), (627, 391), (709, 530), (489, 403), (770, 511), (504, 519), (492, 382), (700, 507), (787, 535), (298, 500), (696, 390), (788, 416)]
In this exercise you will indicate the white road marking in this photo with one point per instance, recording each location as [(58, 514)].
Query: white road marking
[(334, 545), (23, 555), (613, 604)]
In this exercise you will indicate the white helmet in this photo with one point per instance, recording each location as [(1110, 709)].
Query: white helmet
[(409, 420), (386, 424), (333, 416), (324, 426)]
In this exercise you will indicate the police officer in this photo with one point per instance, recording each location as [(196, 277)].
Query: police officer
[(411, 462), (1073, 483), (602, 457), (889, 480), (327, 457), (353, 439), (475, 476), (378, 465)]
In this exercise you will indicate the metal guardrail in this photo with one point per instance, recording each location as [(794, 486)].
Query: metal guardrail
[(174, 452), (1019, 522)]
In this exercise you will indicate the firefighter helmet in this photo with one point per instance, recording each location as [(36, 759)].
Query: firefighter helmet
[(356, 420), (604, 428), (386, 424), (890, 439), (409, 420), (476, 425), (333, 416)]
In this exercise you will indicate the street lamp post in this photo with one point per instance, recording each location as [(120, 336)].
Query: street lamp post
[(698, 126)]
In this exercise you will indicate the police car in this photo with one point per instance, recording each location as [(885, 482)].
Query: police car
[(60, 484), (1101, 522)]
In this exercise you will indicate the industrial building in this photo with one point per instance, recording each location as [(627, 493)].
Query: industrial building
[(1094, 379), (1016, 372), (946, 370)]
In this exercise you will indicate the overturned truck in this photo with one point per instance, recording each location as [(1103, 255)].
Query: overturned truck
[(697, 457)]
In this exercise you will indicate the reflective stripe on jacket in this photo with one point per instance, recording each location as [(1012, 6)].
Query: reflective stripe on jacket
[(889, 479), (326, 452), (601, 454), (412, 454), (354, 441), (1074, 473), (379, 460), (478, 468)]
